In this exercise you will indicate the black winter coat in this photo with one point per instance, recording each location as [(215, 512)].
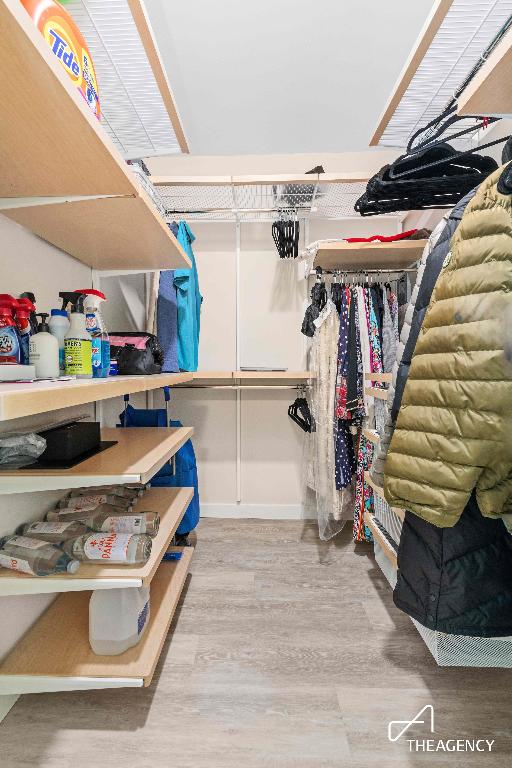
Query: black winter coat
[(457, 580)]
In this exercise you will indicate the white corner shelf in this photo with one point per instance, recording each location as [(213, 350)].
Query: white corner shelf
[(170, 503), (28, 399), (138, 455), (55, 655)]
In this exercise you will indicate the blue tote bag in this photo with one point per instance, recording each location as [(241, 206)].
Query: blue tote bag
[(185, 474)]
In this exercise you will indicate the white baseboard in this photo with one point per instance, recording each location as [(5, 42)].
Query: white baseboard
[(257, 511), (6, 704)]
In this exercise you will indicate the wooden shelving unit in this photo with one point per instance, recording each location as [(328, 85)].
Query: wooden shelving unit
[(392, 256), (379, 491), (371, 435), (238, 377), (170, 503), (45, 121), (380, 394), (385, 378), (139, 453), (380, 539), (55, 654), (489, 92), (28, 399)]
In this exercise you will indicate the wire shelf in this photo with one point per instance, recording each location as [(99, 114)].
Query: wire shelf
[(465, 33), (261, 202), (132, 109)]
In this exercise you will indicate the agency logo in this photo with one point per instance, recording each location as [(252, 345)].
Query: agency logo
[(398, 728), (404, 725)]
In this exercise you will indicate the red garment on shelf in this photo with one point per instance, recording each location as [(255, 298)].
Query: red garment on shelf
[(381, 238)]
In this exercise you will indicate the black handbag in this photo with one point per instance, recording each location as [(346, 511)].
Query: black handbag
[(137, 353)]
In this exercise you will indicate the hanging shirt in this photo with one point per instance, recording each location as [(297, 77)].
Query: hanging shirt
[(167, 316), (189, 302)]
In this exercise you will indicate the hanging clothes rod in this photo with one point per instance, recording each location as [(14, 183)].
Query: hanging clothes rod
[(341, 271), (236, 387)]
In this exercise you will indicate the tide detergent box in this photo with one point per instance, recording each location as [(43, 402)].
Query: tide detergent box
[(68, 45)]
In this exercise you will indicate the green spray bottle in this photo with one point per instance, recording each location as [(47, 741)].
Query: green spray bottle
[(77, 341)]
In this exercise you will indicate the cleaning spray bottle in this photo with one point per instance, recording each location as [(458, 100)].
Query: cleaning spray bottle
[(96, 327), (23, 308), (10, 351), (29, 300), (59, 326), (44, 351), (77, 341)]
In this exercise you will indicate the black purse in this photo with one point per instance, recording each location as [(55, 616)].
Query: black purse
[(136, 353)]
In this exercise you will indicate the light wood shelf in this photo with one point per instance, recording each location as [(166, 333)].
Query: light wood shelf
[(385, 378), (489, 91), (379, 491), (114, 233), (380, 394), (28, 399), (138, 455), (236, 376), (45, 120), (371, 435), (381, 539), (388, 256), (55, 654), (170, 503)]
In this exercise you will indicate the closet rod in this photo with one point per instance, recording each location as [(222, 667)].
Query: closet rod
[(240, 386), (341, 271)]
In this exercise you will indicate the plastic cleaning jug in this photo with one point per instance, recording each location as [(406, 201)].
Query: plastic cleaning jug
[(117, 619), (10, 351), (34, 556), (96, 327), (44, 351), (77, 341), (59, 326)]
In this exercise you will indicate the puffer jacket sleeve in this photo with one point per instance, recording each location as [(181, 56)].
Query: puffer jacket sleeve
[(454, 425)]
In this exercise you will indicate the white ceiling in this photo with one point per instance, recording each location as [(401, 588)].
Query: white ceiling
[(279, 76)]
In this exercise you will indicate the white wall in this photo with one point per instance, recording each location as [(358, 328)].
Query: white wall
[(271, 306), (30, 264)]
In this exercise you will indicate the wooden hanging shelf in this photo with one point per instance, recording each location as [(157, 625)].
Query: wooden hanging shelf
[(380, 539), (52, 146), (489, 92), (138, 455), (28, 399), (380, 394), (389, 256), (170, 503), (379, 491), (55, 654), (385, 378)]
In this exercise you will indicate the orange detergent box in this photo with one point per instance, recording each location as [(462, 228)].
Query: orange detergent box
[(67, 43)]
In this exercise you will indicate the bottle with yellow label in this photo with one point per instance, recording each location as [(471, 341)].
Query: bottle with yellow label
[(68, 45), (77, 341)]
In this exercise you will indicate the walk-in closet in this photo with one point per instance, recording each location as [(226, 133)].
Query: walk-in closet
[(256, 384)]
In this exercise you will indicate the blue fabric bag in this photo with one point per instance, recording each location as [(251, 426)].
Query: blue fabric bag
[(185, 475)]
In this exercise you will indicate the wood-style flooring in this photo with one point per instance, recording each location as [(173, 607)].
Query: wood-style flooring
[(286, 653)]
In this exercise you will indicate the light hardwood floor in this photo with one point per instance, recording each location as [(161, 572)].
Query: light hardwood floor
[(286, 653)]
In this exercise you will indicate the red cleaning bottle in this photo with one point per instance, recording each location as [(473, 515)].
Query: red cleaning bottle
[(23, 309), (10, 351)]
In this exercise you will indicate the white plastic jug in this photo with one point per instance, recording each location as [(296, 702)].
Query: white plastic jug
[(117, 619)]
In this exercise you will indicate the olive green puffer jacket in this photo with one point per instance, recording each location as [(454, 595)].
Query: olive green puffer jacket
[(454, 427)]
